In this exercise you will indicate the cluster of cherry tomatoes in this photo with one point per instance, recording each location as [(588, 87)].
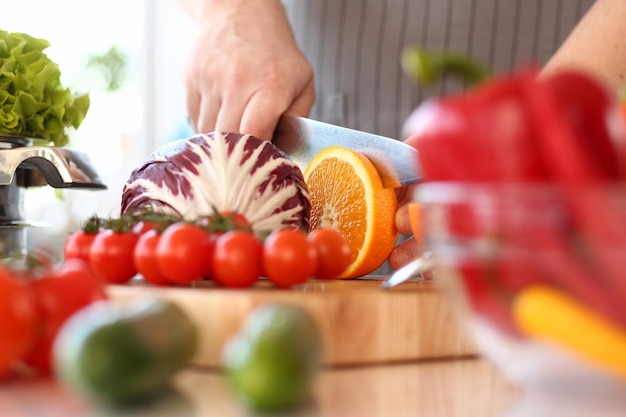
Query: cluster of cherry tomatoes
[(221, 247), (35, 303)]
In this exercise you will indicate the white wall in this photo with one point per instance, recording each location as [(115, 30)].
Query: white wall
[(173, 34), (122, 128)]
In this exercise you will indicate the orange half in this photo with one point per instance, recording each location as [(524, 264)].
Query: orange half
[(347, 194)]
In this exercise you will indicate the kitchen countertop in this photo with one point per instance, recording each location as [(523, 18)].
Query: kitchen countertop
[(463, 387)]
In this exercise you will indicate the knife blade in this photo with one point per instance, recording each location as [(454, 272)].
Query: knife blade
[(301, 139)]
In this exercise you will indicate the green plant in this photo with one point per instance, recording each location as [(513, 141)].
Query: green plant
[(33, 101), (112, 66)]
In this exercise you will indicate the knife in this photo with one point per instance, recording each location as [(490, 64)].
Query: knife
[(301, 139)]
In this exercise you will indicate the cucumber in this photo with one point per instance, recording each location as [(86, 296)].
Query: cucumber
[(122, 353)]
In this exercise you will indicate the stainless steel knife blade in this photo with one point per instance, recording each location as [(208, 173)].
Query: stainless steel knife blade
[(303, 138)]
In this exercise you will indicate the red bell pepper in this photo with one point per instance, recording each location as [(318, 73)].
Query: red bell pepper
[(591, 197), (565, 131), (594, 116)]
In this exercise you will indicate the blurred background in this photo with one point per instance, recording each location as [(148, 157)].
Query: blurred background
[(129, 56)]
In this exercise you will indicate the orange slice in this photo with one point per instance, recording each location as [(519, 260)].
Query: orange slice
[(347, 194)]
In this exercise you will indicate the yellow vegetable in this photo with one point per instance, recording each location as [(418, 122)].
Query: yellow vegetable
[(549, 314)]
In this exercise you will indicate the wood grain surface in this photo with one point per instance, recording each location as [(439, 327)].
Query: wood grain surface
[(360, 323), (445, 388)]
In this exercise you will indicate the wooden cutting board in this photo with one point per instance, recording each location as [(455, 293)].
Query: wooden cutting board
[(360, 323)]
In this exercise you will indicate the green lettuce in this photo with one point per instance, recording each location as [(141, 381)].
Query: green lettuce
[(33, 101)]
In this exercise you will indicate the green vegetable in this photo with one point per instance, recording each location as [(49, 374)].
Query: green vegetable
[(124, 353), (33, 102), (271, 362), (428, 67)]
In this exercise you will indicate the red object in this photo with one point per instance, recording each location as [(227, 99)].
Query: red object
[(487, 297), (596, 118), (226, 221), (18, 321), (237, 259), (57, 296), (78, 245), (145, 258), (111, 255), (496, 132), (184, 253), (589, 193), (288, 257), (480, 136), (334, 254), (564, 130)]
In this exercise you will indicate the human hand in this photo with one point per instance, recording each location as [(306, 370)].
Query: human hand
[(408, 222), (246, 70)]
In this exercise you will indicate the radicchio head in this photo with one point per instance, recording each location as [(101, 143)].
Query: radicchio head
[(226, 172)]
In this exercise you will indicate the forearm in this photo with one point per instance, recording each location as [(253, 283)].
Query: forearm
[(245, 19), (199, 10), (597, 45)]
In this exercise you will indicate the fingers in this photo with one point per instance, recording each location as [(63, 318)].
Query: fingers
[(404, 253), (202, 106), (228, 119), (193, 99), (303, 103), (262, 112), (258, 116), (248, 95), (209, 109), (266, 106), (403, 222)]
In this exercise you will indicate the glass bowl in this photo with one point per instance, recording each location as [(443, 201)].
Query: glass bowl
[(491, 242)]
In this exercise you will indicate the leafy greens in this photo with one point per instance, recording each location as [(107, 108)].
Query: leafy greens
[(33, 101)]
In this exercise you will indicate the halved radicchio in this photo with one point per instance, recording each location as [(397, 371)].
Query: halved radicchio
[(229, 172)]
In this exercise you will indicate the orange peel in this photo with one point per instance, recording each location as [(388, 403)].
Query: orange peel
[(347, 194)]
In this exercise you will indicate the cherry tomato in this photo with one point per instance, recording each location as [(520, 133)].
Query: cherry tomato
[(226, 221), (143, 227), (288, 257), (156, 222), (143, 222), (333, 252), (78, 245), (237, 259), (111, 255), (145, 258), (184, 252), (18, 321), (58, 295), (239, 221)]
